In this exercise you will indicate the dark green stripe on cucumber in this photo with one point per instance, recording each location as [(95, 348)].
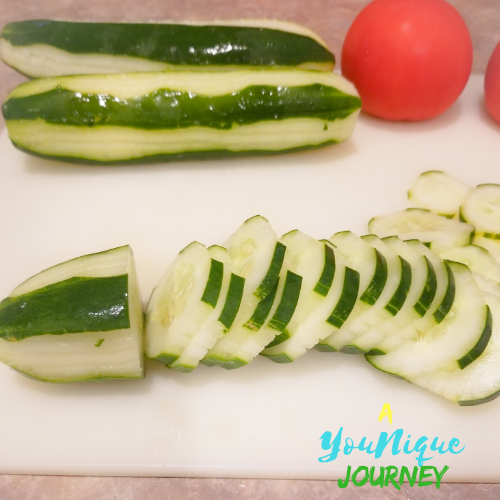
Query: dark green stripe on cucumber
[(262, 310), (326, 279), (399, 297), (214, 283), (429, 291), (75, 305), (447, 302), (347, 298), (270, 279), (377, 284), (233, 300), (288, 303)]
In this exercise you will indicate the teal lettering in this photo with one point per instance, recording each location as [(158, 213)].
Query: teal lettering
[(365, 478), (349, 446), (383, 442), (411, 479), (454, 442), (439, 475), (368, 448), (391, 473), (439, 449), (380, 480), (420, 448), (406, 449), (423, 475), (345, 482), (334, 445)]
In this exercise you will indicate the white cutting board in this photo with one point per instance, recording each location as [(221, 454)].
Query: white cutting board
[(265, 419)]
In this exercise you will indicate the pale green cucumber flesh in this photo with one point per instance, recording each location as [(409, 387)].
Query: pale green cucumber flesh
[(279, 339), (478, 349), (212, 290)]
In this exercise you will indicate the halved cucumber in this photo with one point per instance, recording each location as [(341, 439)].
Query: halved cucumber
[(257, 257), (42, 48), (183, 300), (79, 320), (439, 307), (180, 115), (389, 303), (328, 294), (482, 209), (438, 192), (419, 298), (453, 344), (436, 231), (477, 383)]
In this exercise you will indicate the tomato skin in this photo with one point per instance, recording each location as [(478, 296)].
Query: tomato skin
[(409, 59), (492, 84)]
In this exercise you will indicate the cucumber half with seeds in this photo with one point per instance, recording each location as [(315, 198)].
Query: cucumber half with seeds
[(43, 48), (79, 320), (151, 117)]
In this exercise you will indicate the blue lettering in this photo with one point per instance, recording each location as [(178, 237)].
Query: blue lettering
[(383, 442), (334, 445), (420, 448), (455, 442)]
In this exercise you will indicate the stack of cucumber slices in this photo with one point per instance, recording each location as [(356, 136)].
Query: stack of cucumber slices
[(426, 310), (134, 93)]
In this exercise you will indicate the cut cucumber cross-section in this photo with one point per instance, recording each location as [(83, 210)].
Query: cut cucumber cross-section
[(140, 117), (420, 295), (324, 292), (438, 192), (42, 48), (257, 257), (79, 320), (438, 309), (453, 344), (436, 231), (388, 304), (482, 209), (178, 305)]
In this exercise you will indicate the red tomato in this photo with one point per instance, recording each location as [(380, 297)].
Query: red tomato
[(409, 59), (492, 85)]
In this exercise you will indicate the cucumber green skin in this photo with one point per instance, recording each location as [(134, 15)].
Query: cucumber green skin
[(173, 109), (214, 283), (272, 275), (376, 286), (429, 292), (71, 306), (228, 364), (218, 154), (173, 43), (398, 299), (449, 298)]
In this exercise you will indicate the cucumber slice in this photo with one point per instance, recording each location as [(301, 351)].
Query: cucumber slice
[(438, 192), (225, 302), (439, 307), (436, 231), (372, 268), (42, 48), (257, 256), (477, 383), (476, 258), (419, 298), (482, 209), (389, 303), (493, 246), (453, 344), (182, 302), (79, 320), (326, 291), (103, 118)]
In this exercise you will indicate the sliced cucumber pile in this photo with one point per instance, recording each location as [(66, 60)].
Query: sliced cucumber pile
[(79, 320)]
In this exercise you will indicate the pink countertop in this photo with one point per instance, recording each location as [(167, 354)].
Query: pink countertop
[(331, 19)]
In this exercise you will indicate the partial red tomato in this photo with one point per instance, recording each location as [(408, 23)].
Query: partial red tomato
[(409, 59), (492, 85)]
